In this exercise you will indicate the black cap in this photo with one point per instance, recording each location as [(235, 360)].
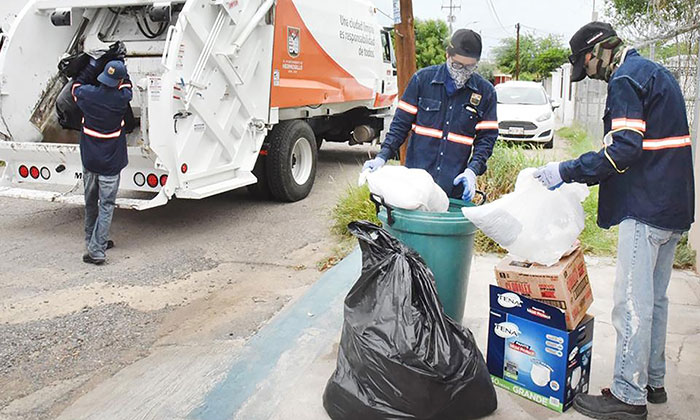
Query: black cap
[(582, 42), (465, 42)]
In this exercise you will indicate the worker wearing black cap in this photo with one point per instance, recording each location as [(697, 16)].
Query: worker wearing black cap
[(646, 187), (451, 112)]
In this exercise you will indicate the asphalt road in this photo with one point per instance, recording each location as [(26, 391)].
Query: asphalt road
[(192, 272)]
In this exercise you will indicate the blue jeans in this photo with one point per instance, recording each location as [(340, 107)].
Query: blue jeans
[(644, 263), (100, 198)]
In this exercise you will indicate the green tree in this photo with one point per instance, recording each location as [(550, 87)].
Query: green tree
[(538, 56), (431, 42)]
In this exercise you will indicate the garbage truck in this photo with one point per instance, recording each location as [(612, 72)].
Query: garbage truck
[(227, 93)]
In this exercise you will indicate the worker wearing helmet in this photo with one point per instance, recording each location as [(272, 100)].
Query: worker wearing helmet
[(450, 113), (103, 152), (645, 173)]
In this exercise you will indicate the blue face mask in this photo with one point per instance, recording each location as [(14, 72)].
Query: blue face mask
[(459, 72)]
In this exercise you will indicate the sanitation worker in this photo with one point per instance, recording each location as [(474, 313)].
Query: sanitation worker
[(645, 174), (103, 152), (450, 113)]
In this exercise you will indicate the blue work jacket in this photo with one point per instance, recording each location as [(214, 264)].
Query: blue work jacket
[(103, 147), (450, 129), (645, 171)]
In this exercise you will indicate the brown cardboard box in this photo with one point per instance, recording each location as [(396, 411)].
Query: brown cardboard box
[(564, 285)]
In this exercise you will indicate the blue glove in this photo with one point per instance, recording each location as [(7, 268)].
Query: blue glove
[(373, 164), (549, 175), (468, 180)]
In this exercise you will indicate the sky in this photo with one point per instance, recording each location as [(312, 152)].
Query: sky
[(539, 17)]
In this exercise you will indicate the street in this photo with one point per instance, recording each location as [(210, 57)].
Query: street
[(192, 272)]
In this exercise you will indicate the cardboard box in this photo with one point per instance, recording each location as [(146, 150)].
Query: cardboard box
[(531, 353), (564, 285)]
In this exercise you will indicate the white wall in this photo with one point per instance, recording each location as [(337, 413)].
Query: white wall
[(560, 89)]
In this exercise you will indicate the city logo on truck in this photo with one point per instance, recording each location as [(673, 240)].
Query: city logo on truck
[(293, 41)]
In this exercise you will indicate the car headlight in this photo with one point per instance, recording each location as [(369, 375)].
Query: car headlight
[(544, 117)]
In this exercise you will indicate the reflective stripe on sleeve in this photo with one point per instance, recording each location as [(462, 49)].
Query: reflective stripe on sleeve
[(666, 143), (429, 132), (621, 123), (408, 107), (487, 125), (125, 85), (458, 138), (97, 134), (72, 91)]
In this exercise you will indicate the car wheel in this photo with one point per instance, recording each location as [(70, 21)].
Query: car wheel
[(291, 160)]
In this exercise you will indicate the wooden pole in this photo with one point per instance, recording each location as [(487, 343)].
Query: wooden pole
[(517, 52), (405, 53)]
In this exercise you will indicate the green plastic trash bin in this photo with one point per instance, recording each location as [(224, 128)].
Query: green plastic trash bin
[(444, 240)]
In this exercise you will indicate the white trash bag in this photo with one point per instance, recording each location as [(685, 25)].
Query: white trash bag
[(533, 223), (409, 189)]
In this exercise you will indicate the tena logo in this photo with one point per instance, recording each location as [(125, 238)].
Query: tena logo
[(509, 300), (506, 330)]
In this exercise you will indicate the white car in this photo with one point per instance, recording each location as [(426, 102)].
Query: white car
[(525, 113)]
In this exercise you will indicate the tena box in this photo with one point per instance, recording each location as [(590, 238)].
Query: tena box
[(531, 353), (564, 285)]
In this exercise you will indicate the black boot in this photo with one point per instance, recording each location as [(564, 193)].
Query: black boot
[(656, 395), (607, 407), (88, 259)]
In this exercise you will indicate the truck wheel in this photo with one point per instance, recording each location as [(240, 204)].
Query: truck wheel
[(291, 160), (260, 190)]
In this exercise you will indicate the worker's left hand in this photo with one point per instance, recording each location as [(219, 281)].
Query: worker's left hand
[(549, 175), (468, 180)]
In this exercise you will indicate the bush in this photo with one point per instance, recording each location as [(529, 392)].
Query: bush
[(353, 205)]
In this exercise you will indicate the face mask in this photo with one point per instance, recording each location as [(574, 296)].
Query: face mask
[(605, 58), (459, 72)]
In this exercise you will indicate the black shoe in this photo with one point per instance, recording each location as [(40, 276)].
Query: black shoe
[(88, 259), (110, 244), (607, 407), (656, 395)]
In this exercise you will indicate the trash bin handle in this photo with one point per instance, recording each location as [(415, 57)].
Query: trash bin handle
[(483, 197), (378, 201)]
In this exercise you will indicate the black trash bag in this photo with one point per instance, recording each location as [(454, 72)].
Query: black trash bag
[(85, 67), (400, 356)]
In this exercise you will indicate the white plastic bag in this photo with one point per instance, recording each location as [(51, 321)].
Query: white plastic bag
[(533, 223), (409, 189)]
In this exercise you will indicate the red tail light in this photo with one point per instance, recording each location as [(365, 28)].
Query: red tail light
[(184, 168), (23, 171), (34, 172), (163, 180), (152, 180)]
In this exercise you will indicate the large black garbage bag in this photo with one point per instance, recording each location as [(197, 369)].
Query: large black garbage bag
[(85, 67), (400, 356)]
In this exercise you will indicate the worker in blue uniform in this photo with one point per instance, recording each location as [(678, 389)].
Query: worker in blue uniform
[(450, 113), (103, 152), (645, 173)]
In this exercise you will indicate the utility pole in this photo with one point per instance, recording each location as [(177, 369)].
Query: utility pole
[(451, 18), (405, 53), (517, 52)]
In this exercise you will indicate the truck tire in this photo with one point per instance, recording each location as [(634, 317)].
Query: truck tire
[(291, 160), (260, 190)]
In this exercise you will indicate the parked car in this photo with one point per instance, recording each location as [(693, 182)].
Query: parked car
[(525, 113)]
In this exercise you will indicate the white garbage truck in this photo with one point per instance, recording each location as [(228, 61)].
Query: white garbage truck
[(227, 93)]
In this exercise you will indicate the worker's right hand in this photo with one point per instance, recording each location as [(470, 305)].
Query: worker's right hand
[(373, 164), (549, 175)]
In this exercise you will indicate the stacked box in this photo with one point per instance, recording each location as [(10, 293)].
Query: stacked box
[(564, 285)]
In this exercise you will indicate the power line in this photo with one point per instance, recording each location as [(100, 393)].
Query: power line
[(494, 13), (451, 18)]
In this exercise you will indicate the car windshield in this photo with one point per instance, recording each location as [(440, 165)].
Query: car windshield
[(521, 95)]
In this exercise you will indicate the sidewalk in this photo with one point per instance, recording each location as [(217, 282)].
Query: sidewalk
[(281, 372)]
